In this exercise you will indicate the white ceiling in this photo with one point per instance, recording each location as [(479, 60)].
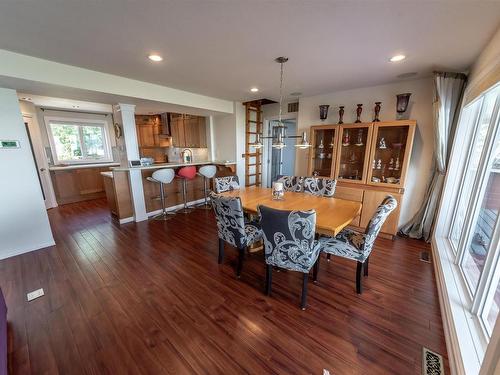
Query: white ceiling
[(222, 48)]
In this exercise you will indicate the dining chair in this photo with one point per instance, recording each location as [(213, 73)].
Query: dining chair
[(289, 243), (226, 183), (358, 246), (292, 183), (231, 227), (320, 186)]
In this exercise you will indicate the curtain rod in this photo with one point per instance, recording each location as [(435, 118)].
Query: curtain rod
[(69, 110)]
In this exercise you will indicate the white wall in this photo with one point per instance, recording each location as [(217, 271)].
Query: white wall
[(229, 138), (420, 109), (486, 70), (24, 225)]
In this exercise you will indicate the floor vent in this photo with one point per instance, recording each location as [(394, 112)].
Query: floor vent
[(432, 363), (425, 256)]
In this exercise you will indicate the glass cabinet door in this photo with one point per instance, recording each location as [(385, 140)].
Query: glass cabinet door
[(324, 148), (354, 143), (390, 150)]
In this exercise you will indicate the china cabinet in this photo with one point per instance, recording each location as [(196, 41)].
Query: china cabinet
[(324, 150), (390, 153), (368, 160), (353, 146)]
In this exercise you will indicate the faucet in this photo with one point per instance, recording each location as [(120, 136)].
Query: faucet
[(187, 155)]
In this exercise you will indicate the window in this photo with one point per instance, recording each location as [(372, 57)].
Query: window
[(468, 226), (78, 140)]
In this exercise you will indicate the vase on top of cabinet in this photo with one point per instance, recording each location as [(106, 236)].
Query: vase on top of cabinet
[(353, 159), (390, 153), (324, 150)]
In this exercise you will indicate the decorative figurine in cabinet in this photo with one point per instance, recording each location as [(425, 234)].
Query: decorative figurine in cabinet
[(324, 150)]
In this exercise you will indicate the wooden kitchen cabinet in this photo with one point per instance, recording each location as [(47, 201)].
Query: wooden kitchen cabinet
[(188, 131), (79, 184)]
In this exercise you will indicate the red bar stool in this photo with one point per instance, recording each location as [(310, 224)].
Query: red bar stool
[(186, 173)]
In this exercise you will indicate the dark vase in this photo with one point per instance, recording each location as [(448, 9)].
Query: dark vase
[(323, 111), (358, 113), (341, 114), (402, 102), (377, 111)]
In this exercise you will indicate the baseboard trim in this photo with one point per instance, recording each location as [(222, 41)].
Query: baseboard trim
[(14, 253)]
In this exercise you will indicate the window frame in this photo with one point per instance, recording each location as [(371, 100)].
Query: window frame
[(464, 310), (80, 122)]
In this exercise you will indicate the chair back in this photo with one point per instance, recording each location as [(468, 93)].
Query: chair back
[(230, 221), (292, 183), (378, 219), (319, 186), (226, 183), (289, 238), (188, 172), (208, 171), (165, 175)]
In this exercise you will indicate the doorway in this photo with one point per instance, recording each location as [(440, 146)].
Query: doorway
[(279, 162), (41, 164)]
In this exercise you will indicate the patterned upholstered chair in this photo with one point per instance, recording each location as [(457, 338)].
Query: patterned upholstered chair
[(292, 183), (231, 227), (226, 183), (289, 243), (322, 187), (358, 246)]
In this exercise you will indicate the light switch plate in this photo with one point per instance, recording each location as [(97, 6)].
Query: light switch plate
[(35, 294)]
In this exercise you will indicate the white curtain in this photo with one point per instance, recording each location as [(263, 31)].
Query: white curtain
[(448, 91)]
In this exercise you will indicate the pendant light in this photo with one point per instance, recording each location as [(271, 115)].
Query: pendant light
[(278, 140)]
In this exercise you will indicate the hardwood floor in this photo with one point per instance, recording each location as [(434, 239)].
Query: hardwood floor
[(150, 298)]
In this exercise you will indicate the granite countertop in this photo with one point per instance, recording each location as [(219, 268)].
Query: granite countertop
[(80, 166), (176, 165)]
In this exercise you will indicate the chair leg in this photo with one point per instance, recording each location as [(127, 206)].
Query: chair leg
[(365, 266), (328, 256), (221, 251), (269, 279), (303, 302), (316, 269), (241, 257), (359, 269)]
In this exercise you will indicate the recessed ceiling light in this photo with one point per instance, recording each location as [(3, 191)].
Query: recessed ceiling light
[(155, 58), (254, 89), (397, 58)]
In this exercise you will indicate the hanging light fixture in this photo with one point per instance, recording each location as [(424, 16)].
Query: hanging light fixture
[(278, 139)]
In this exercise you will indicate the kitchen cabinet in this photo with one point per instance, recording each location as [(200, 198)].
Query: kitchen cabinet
[(188, 131), (79, 184), (151, 137)]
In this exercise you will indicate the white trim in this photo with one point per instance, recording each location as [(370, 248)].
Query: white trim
[(79, 122), (126, 220), (26, 250), (41, 161), (465, 348)]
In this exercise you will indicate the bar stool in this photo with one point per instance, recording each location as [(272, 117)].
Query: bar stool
[(186, 173), (162, 176), (208, 172)]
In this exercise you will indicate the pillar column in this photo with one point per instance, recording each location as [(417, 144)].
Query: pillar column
[(126, 116)]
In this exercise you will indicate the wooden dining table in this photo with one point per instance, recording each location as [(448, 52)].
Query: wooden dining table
[(332, 214)]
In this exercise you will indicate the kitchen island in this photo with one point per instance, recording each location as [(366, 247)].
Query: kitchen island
[(131, 197)]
